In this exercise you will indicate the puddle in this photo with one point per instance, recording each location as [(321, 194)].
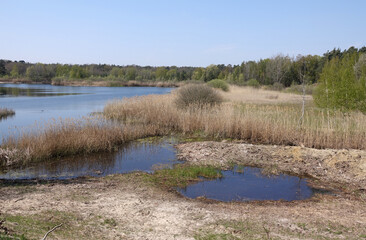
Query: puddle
[(249, 184), (136, 156)]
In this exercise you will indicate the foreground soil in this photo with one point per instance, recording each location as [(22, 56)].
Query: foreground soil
[(130, 206)]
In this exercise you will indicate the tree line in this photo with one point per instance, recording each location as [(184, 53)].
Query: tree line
[(280, 70)]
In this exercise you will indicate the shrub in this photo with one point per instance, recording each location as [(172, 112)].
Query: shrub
[(277, 86), (220, 84), (197, 94), (253, 83)]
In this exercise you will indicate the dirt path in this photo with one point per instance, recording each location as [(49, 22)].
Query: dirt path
[(129, 206)]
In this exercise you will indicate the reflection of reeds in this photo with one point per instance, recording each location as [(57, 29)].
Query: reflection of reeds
[(269, 124), (5, 112)]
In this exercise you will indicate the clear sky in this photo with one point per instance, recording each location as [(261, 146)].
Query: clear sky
[(176, 32)]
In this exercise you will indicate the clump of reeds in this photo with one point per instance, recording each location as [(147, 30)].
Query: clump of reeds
[(268, 124), (67, 137), (5, 112)]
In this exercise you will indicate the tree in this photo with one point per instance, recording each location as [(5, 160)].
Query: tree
[(15, 71), (2, 68), (339, 87), (277, 67), (212, 72)]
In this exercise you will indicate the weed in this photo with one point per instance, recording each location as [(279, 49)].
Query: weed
[(183, 175), (110, 222)]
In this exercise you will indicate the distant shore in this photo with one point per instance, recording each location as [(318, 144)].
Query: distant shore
[(96, 83)]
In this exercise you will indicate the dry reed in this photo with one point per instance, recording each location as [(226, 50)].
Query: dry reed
[(5, 112), (71, 136), (268, 124)]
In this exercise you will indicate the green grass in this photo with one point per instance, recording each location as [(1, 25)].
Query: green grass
[(34, 226), (12, 237), (183, 175)]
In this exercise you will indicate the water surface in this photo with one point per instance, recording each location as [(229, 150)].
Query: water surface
[(39, 103), (249, 184), (136, 156)]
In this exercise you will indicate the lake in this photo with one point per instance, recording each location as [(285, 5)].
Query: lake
[(40, 103)]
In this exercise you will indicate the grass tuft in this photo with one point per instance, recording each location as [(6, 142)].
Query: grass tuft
[(183, 175)]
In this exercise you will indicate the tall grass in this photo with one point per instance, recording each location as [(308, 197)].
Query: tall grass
[(268, 124), (60, 138)]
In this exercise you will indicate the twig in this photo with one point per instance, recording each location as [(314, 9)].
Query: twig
[(53, 229), (267, 231)]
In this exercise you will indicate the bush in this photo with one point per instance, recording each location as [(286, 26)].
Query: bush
[(277, 86), (197, 94), (220, 84), (253, 83)]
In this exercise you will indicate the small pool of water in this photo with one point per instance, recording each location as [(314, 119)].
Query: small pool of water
[(248, 184), (136, 156)]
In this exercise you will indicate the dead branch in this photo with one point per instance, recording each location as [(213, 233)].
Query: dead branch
[(53, 229)]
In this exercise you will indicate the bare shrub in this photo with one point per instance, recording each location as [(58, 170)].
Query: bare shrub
[(197, 95)]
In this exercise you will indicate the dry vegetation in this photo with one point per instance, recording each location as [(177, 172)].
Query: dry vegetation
[(269, 124), (261, 96), (5, 112), (159, 115), (67, 137)]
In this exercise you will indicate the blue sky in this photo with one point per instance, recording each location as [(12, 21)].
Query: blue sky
[(180, 33)]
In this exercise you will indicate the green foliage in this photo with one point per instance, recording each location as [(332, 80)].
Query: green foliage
[(40, 72), (12, 237), (197, 95), (183, 175), (253, 83), (220, 84), (78, 72), (339, 87), (277, 69), (14, 72), (2, 68)]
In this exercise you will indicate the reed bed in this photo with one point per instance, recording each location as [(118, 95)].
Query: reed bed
[(66, 137), (157, 115), (267, 124)]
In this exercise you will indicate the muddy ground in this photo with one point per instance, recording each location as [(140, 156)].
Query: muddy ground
[(130, 206)]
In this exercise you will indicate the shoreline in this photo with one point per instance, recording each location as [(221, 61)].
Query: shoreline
[(96, 83)]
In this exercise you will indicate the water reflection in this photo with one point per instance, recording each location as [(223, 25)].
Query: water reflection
[(250, 184), (30, 92), (131, 157)]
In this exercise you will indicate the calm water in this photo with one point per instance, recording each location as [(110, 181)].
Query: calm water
[(249, 184), (39, 103), (137, 156)]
